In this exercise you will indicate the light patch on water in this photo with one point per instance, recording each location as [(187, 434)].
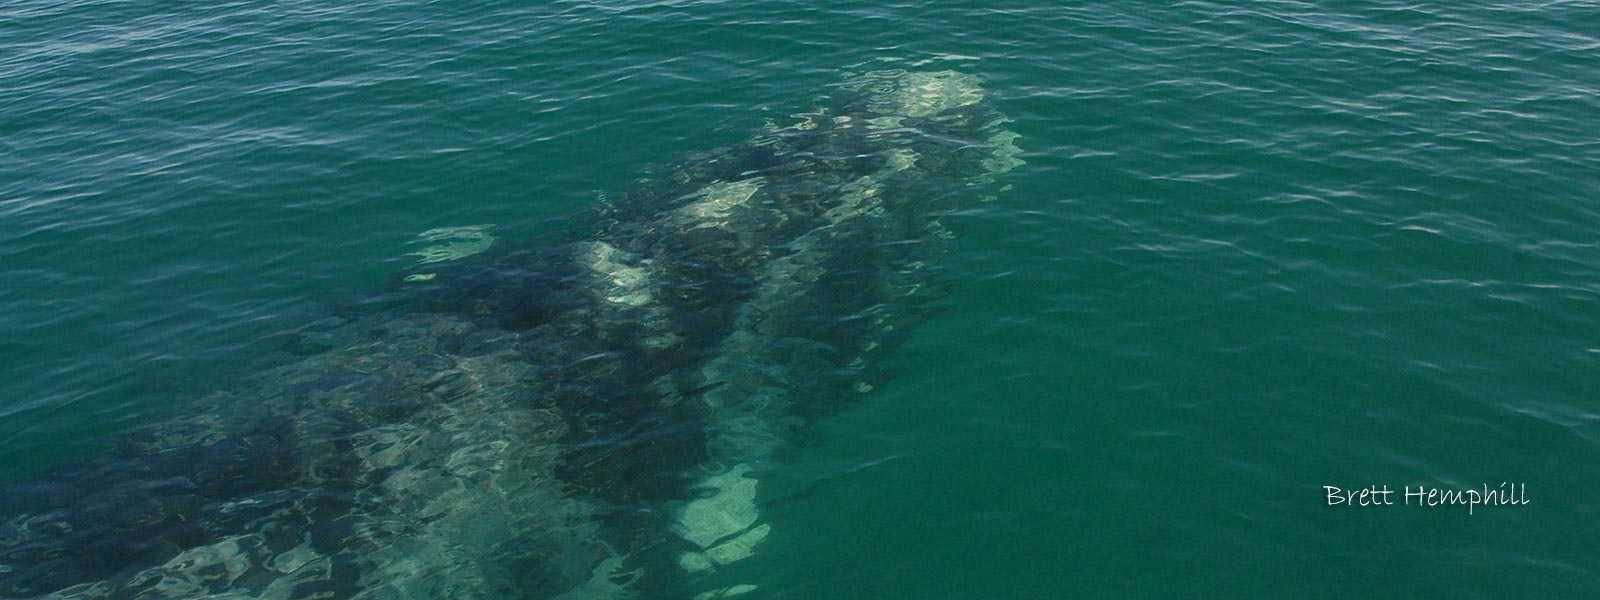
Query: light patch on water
[(920, 93), (941, 57), (629, 285), (885, 122), (1005, 153), (738, 548), (856, 199), (452, 243), (717, 201), (727, 592), (729, 509), (860, 197), (709, 522), (901, 159)]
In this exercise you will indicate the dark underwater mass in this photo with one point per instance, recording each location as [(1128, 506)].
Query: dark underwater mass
[(578, 420)]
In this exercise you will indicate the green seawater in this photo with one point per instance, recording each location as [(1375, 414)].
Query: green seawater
[(1258, 248)]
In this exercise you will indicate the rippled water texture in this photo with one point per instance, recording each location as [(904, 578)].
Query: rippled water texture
[(1257, 248)]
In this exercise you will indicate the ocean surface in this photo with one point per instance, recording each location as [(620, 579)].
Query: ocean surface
[(1257, 248)]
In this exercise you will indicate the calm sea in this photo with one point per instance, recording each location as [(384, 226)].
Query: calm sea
[(1258, 248)]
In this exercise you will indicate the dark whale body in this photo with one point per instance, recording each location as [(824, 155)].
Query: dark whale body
[(585, 419)]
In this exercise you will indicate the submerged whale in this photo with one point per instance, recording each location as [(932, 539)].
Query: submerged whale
[(578, 420)]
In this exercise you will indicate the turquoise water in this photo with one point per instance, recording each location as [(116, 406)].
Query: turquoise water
[(1257, 249)]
